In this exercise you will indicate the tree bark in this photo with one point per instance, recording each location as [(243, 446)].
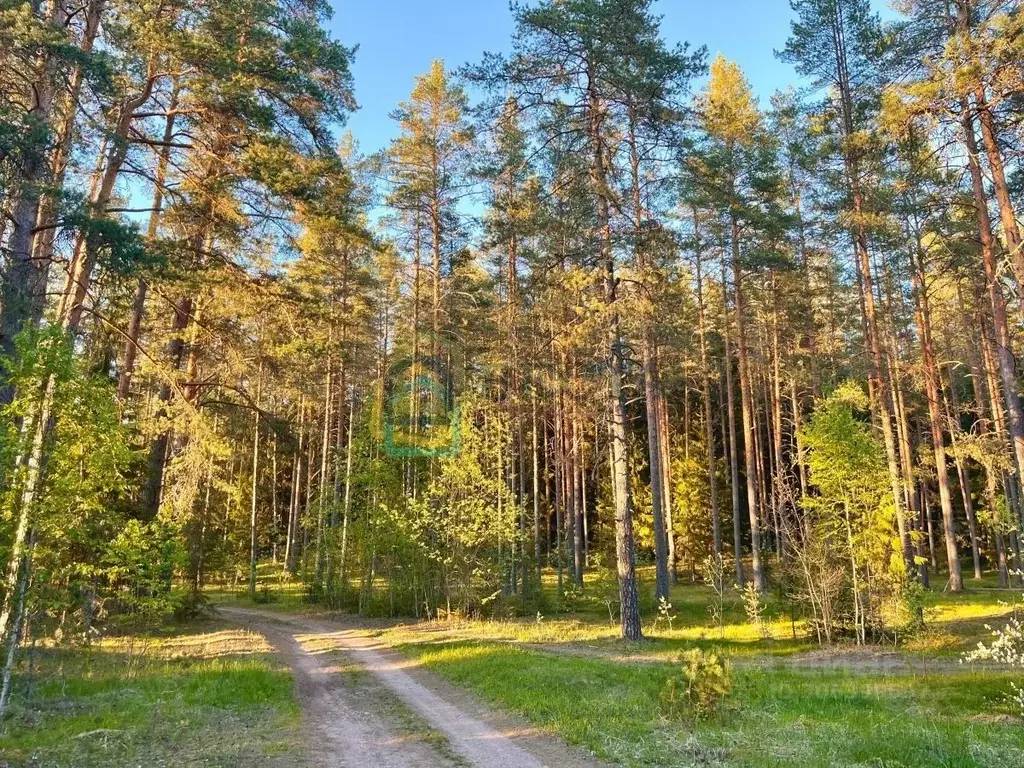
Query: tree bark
[(750, 453), (734, 469), (255, 486), (709, 430), (134, 329), (935, 410), (880, 396), (1007, 364), (629, 603)]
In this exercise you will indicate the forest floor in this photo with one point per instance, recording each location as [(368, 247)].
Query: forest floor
[(289, 684), (907, 703)]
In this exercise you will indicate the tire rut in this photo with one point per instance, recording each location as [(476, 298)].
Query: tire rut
[(472, 736)]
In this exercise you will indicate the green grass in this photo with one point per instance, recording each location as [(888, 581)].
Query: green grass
[(570, 673), (773, 718), (954, 623), (207, 696)]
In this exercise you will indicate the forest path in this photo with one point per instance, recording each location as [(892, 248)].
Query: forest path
[(396, 715)]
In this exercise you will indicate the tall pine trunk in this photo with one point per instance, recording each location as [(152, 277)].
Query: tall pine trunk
[(751, 456), (933, 394), (629, 602)]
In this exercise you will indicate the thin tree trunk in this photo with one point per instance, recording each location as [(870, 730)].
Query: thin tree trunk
[(291, 547), (709, 430), (666, 468), (651, 383), (963, 476), (536, 491), (629, 603), (139, 304), (750, 453), (935, 410), (1007, 364), (734, 469), (255, 485), (880, 396), (577, 482), (346, 504)]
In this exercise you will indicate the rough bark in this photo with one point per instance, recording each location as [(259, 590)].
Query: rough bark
[(750, 452), (629, 605), (734, 469), (935, 410)]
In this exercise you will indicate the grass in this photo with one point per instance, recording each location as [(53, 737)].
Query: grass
[(774, 717), (203, 696), (957, 621), (954, 624), (570, 673), (210, 695)]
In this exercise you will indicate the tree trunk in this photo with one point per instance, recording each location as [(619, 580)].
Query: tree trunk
[(23, 287), (1007, 364), (346, 504), (734, 468), (709, 430), (880, 396), (131, 345), (651, 383), (962, 473), (750, 454), (666, 469), (629, 603), (536, 492), (255, 486), (935, 410)]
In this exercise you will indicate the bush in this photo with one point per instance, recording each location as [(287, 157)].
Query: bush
[(263, 595), (1008, 649), (192, 605), (572, 598), (754, 607), (698, 689)]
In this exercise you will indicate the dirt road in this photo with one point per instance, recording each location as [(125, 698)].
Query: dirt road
[(367, 707)]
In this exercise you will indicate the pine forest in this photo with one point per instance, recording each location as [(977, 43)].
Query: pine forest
[(677, 420)]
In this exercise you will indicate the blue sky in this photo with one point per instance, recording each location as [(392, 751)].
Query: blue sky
[(399, 38)]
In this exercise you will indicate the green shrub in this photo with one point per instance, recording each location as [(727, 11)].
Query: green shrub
[(698, 689), (192, 605)]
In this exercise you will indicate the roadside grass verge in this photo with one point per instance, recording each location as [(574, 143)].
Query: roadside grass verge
[(203, 695), (774, 717), (954, 622)]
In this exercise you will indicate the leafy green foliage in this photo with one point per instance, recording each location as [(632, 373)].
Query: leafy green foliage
[(851, 515)]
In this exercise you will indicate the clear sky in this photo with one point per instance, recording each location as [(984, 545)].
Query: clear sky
[(398, 39)]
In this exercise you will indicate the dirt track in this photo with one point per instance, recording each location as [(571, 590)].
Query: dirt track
[(358, 724)]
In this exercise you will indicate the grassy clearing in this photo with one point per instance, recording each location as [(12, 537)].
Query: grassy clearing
[(574, 676), (775, 718), (570, 673), (955, 622), (206, 696)]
